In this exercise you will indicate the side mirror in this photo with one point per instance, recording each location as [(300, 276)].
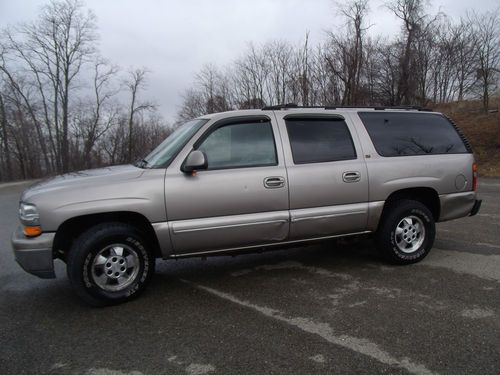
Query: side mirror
[(196, 160)]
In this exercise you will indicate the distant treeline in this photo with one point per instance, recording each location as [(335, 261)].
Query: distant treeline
[(433, 59), (64, 107)]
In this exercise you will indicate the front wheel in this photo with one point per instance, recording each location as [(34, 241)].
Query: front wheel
[(406, 232), (109, 264)]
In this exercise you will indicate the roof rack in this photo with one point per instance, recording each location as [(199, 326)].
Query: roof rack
[(377, 108), (280, 106)]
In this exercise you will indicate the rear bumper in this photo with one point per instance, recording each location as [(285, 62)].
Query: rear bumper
[(476, 207), (34, 255), (458, 205)]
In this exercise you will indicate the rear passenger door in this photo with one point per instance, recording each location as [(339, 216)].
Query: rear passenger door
[(327, 175)]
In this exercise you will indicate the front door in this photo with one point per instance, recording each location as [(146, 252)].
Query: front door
[(240, 200)]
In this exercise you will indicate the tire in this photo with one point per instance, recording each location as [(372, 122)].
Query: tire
[(406, 232), (109, 264)]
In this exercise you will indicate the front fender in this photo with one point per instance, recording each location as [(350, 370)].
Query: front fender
[(143, 195)]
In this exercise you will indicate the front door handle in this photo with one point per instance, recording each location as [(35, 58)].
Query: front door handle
[(274, 182), (351, 176)]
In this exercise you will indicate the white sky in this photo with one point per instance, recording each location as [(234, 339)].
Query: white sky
[(174, 39)]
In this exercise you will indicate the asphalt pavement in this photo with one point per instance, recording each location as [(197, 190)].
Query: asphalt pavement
[(331, 308)]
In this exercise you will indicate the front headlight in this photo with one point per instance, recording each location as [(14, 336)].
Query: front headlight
[(28, 214)]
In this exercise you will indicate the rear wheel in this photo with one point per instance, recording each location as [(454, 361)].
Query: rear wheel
[(406, 232), (109, 264)]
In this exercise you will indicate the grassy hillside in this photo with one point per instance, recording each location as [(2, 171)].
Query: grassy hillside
[(482, 130)]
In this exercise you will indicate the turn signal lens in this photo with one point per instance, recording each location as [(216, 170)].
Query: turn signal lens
[(32, 231), (474, 177)]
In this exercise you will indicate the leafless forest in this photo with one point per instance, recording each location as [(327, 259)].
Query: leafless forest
[(64, 107)]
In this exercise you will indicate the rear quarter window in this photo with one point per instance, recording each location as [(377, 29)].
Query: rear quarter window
[(404, 134)]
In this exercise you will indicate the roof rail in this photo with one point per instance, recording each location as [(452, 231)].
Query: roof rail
[(280, 106), (377, 108)]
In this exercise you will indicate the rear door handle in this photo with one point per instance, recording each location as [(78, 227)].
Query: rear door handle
[(274, 182), (351, 176)]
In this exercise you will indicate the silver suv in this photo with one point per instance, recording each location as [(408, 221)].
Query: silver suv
[(251, 179)]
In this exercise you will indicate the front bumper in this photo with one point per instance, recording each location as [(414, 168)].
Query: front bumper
[(34, 255)]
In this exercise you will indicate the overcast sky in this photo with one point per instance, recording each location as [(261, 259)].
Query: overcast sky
[(173, 39)]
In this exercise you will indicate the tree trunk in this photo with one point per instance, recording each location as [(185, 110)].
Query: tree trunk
[(131, 129), (3, 122), (65, 140), (486, 96)]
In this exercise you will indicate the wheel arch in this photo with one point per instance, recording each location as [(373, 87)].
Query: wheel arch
[(425, 195), (70, 229)]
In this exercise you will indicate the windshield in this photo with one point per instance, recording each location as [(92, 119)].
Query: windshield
[(162, 155)]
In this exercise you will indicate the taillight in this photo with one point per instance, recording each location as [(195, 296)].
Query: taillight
[(474, 177)]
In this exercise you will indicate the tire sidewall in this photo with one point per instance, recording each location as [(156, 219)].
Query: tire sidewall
[(388, 241), (81, 268)]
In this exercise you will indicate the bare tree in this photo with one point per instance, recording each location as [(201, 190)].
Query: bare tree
[(214, 88), (135, 83), (325, 87), (355, 13), (346, 58), (62, 40), (387, 79), (21, 92), (280, 58), (5, 140), (58, 105), (488, 52), (303, 68), (101, 108), (192, 106), (53, 50), (411, 12), (250, 77), (465, 42)]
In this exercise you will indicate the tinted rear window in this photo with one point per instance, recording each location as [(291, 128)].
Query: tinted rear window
[(317, 140), (402, 134)]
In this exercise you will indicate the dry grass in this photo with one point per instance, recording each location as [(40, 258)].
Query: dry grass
[(481, 129)]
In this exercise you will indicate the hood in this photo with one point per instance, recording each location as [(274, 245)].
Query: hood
[(90, 177)]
